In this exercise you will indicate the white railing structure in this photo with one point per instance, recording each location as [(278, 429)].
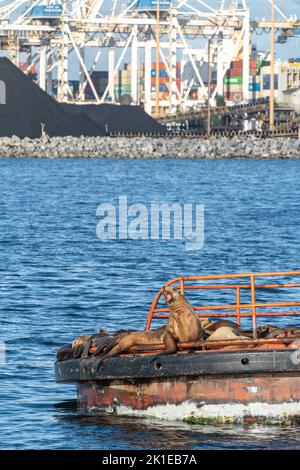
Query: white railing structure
[(75, 37)]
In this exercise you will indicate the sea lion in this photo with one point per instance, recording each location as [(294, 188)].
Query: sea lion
[(84, 342), (92, 341), (282, 332), (64, 353), (264, 330), (103, 342), (78, 345), (226, 332), (213, 326), (126, 341), (183, 326), (272, 331)]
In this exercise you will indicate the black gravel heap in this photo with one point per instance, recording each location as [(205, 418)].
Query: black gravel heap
[(27, 106), (118, 118)]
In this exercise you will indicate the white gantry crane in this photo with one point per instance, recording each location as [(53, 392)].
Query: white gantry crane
[(56, 34)]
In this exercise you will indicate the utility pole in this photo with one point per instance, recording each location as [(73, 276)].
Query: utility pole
[(272, 75), (208, 130), (157, 56)]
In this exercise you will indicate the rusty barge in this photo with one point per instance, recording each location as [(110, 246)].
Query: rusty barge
[(257, 378)]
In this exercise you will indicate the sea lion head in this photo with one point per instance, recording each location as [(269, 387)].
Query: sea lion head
[(78, 345), (103, 332), (264, 330), (171, 295), (80, 341)]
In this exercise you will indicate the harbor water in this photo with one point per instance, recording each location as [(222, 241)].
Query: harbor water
[(59, 280)]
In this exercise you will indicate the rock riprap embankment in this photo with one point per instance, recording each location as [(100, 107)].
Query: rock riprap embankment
[(145, 147)]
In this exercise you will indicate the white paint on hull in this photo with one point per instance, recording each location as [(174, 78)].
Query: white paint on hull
[(234, 411)]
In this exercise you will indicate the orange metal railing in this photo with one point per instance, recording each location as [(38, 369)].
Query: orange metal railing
[(237, 309)]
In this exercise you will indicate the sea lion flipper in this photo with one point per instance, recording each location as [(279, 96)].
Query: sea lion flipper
[(170, 346), (77, 352), (106, 345), (99, 361), (86, 349)]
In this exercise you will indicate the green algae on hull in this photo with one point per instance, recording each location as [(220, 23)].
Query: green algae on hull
[(284, 420), (205, 420)]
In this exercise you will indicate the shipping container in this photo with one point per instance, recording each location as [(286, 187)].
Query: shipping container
[(100, 76), (254, 87), (27, 67), (151, 5), (233, 80), (162, 89), (234, 73), (162, 66), (165, 82), (46, 11), (161, 80), (162, 73), (122, 90), (235, 88), (236, 64), (267, 80)]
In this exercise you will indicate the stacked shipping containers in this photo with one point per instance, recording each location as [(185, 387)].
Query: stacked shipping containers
[(254, 81), (233, 81), (164, 79), (122, 83), (164, 85)]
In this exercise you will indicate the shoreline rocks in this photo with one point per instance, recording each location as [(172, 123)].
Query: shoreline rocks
[(145, 147)]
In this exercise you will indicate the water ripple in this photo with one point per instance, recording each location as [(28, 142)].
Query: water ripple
[(58, 281)]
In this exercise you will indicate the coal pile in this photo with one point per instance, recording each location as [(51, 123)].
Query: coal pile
[(28, 106), (117, 119)]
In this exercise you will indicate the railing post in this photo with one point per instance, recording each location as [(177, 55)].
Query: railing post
[(238, 303), (149, 319), (181, 286), (253, 304), (152, 309)]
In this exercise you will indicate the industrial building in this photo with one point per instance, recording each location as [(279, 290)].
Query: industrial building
[(85, 51)]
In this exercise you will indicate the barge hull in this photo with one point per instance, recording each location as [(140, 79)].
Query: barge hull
[(240, 384), (263, 395)]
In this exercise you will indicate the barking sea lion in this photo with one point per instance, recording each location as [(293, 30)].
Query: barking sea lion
[(183, 326), (183, 323)]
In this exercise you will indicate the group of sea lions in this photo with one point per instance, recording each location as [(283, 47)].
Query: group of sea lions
[(183, 326)]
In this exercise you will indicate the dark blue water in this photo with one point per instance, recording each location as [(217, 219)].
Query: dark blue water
[(58, 280)]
